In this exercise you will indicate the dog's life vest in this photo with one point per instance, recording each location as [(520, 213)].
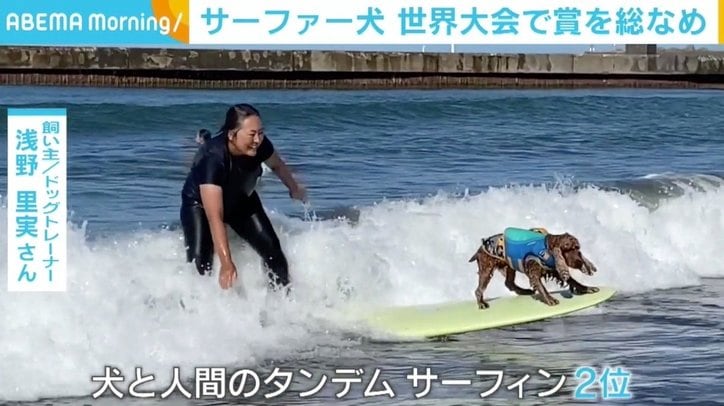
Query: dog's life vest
[(518, 245)]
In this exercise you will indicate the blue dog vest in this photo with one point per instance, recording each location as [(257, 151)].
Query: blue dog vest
[(522, 244)]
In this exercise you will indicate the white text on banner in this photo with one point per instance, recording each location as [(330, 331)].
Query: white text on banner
[(293, 22), (37, 200)]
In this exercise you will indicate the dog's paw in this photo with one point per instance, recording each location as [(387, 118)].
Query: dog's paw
[(588, 268), (584, 290), (483, 305), (551, 301)]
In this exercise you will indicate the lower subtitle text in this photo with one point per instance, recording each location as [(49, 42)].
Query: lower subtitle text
[(588, 383)]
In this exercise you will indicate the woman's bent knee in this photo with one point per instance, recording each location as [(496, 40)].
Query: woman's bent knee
[(278, 267), (197, 238), (271, 250), (203, 265)]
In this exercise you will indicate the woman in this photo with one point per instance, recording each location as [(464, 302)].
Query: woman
[(202, 136), (219, 190)]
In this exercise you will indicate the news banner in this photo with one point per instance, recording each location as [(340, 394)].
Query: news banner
[(323, 22)]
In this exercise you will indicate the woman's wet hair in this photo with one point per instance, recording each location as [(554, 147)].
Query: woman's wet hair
[(236, 114)]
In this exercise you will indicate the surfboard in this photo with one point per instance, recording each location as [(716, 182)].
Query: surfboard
[(449, 318)]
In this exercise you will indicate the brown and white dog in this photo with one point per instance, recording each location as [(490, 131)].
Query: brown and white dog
[(535, 253)]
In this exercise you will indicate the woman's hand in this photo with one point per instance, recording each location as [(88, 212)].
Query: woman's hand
[(280, 168), (298, 192), (227, 275)]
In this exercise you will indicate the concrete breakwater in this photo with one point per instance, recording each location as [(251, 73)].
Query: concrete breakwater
[(214, 68)]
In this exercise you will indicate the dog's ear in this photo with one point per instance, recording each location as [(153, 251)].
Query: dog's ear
[(561, 265), (569, 243)]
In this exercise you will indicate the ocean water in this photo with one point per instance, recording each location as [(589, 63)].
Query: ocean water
[(402, 186)]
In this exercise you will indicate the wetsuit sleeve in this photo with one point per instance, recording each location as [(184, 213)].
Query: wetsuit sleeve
[(266, 149), (211, 170)]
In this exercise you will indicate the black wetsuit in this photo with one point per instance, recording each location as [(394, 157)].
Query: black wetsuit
[(243, 210)]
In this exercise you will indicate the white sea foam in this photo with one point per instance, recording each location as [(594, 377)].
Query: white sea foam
[(123, 306)]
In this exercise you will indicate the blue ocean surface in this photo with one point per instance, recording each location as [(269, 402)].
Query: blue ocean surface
[(402, 184)]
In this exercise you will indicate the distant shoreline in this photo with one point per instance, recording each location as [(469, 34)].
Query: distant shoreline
[(258, 69)]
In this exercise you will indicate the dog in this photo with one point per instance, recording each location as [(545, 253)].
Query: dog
[(537, 254)]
